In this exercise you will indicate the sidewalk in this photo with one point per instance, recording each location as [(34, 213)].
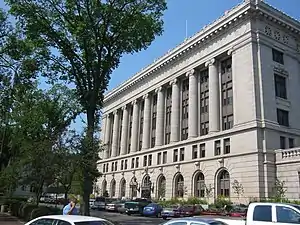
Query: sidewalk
[(6, 219)]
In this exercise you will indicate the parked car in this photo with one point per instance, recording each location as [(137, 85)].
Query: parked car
[(194, 221), (237, 211), (112, 206), (170, 212), (135, 207), (190, 210), (70, 220), (264, 213), (153, 209), (121, 207), (99, 203)]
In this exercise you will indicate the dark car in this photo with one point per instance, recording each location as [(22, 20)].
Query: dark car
[(190, 210), (172, 211), (152, 209), (135, 206)]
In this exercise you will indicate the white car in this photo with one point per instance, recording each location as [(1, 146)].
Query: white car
[(68, 220)]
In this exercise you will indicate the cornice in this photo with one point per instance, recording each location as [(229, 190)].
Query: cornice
[(201, 38)]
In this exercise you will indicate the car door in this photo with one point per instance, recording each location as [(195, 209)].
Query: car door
[(286, 215), (43, 221)]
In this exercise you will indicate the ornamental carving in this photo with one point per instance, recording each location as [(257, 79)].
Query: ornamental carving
[(298, 48), (277, 35), (268, 31), (285, 39)]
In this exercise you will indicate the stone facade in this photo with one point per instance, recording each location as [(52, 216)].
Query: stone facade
[(212, 112)]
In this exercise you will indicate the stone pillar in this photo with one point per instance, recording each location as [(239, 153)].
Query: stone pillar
[(135, 127), (214, 96), (160, 115), (107, 136), (175, 111), (147, 122), (104, 127), (193, 104), (115, 137), (124, 134)]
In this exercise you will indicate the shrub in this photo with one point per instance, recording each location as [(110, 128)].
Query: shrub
[(40, 211), (195, 201), (15, 207), (221, 201), (27, 210)]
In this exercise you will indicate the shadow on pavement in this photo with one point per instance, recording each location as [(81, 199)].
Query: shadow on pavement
[(6, 219)]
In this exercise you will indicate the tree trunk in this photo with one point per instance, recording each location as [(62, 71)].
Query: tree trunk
[(87, 179)]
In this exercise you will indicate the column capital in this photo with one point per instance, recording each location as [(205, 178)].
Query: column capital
[(172, 82), (124, 107), (159, 89), (115, 112), (146, 96), (230, 51), (104, 116), (190, 73), (210, 62), (134, 102)]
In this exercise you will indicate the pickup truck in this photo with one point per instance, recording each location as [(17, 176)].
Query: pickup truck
[(268, 213)]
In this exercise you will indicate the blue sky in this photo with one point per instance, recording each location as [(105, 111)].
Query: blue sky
[(197, 13)]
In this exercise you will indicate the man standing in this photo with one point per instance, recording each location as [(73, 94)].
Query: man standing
[(70, 209)]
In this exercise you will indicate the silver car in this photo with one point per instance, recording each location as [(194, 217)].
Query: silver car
[(194, 221)]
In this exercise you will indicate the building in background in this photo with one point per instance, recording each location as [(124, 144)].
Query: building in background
[(221, 109)]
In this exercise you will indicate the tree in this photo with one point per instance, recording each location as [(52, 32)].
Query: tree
[(237, 188), (88, 38), (208, 190), (279, 190)]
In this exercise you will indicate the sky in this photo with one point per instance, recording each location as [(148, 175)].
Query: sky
[(195, 14)]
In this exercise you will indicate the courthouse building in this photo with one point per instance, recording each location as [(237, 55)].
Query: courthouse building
[(218, 111)]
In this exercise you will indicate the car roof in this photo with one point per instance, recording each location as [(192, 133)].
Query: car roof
[(73, 218)]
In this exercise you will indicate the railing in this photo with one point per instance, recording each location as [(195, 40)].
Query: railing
[(288, 153)]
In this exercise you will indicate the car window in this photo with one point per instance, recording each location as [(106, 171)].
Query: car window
[(178, 223), (61, 222), (94, 223), (262, 213), (217, 223), (287, 215), (44, 222)]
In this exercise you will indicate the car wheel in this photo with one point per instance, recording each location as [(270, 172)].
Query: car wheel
[(158, 215), (164, 217)]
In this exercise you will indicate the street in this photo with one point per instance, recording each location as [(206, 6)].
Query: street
[(123, 219)]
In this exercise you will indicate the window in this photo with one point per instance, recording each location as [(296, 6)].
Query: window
[(283, 117), (141, 125), (217, 148), (149, 160), (204, 128), (44, 222), (132, 163), (112, 166), (280, 86), (175, 155), (194, 152), (168, 115), (145, 161), (116, 166), (202, 150), (227, 122), (203, 102), (159, 158), (262, 213), (104, 169), (282, 142), (61, 222), (137, 162), (154, 114), (177, 223), (226, 146), (287, 215), (291, 143), (277, 56), (224, 183), (107, 167), (125, 164), (122, 165), (181, 154), (199, 186), (165, 154), (184, 109), (94, 223), (130, 109)]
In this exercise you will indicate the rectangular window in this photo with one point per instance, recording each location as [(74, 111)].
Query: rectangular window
[(112, 166), (107, 167), (116, 166), (165, 155), (120, 131), (168, 115), (217, 148), (262, 213), (175, 155), (282, 142), (153, 123), (159, 158), (149, 160), (184, 109), (181, 154), (104, 168), (291, 143), (204, 101), (202, 150), (283, 117), (132, 163), (227, 122), (277, 56), (130, 128), (226, 146), (137, 162), (125, 164), (280, 86), (145, 161), (122, 164), (141, 125), (194, 152)]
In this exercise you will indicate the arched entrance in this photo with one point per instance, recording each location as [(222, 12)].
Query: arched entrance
[(133, 186), (122, 188), (113, 188), (223, 183), (161, 187), (104, 188), (146, 187), (178, 186), (199, 185)]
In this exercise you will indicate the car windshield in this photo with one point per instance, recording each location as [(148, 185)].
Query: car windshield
[(100, 199), (94, 223)]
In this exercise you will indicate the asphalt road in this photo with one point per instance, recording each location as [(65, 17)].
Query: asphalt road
[(123, 219)]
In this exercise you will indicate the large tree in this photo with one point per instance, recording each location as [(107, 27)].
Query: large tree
[(87, 39)]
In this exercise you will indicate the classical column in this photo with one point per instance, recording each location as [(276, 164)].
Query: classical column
[(175, 111), (193, 104), (103, 133), (135, 127), (214, 96), (146, 124), (124, 134), (115, 137), (160, 112), (107, 130)]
